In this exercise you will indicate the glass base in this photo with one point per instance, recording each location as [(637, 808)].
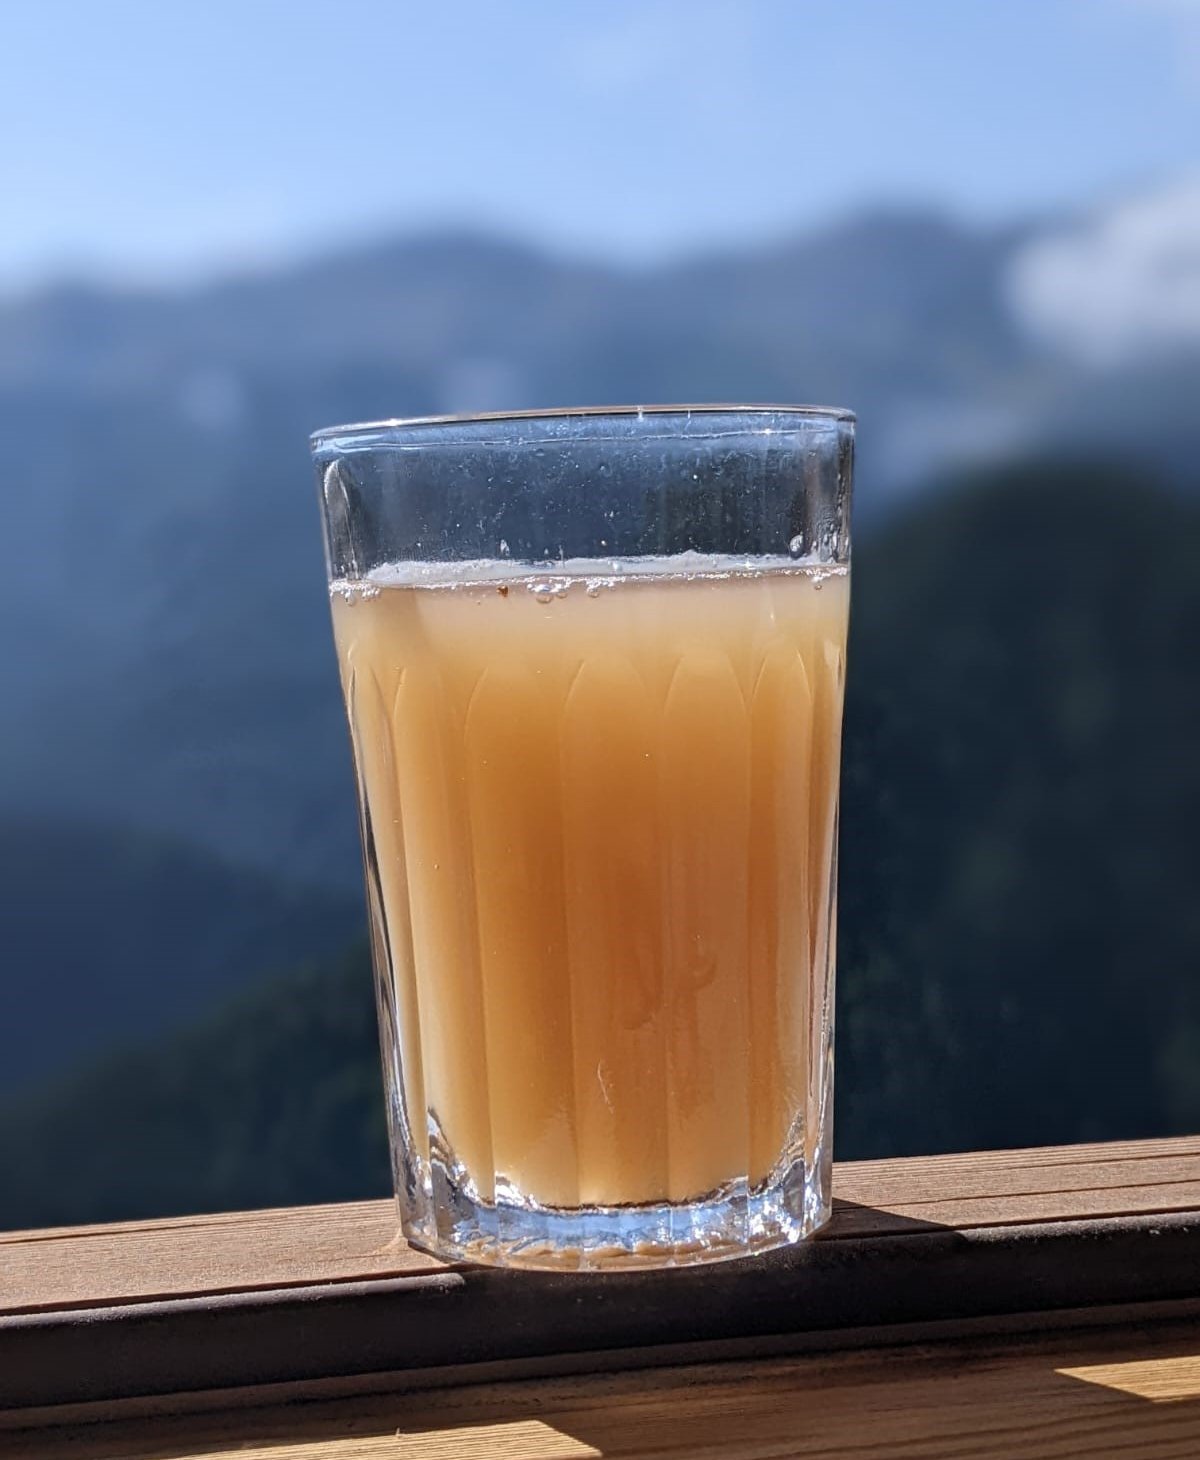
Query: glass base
[(513, 1231)]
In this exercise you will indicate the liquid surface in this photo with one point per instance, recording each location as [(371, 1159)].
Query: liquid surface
[(600, 815)]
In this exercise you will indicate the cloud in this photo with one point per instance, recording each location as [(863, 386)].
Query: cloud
[(1119, 286)]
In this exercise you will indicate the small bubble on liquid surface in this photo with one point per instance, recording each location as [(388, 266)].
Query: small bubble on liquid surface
[(352, 592), (546, 590)]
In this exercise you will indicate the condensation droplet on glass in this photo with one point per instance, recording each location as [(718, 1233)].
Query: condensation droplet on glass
[(504, 548), (796, 546)]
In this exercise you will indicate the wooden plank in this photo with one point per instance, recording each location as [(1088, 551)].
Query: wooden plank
[(914, 1172), (58, 1268), (993, 1328), (297, 1296), (478, 1316), (928, 1180), (1126, 1394), (971, 1213), (130, 1262)]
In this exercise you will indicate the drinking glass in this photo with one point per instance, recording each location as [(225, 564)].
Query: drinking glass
[(593, 665)]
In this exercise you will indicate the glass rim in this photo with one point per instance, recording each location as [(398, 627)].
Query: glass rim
[(330, 435)]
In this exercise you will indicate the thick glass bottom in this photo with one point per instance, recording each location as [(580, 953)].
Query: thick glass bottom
[(514, 1231)]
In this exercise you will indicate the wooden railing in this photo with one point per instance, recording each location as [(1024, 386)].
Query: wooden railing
[(276, 1296), (317, 1304)]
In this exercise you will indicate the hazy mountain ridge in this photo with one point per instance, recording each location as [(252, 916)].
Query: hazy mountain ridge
[(273, 1097), (171, 662), (111, 935)]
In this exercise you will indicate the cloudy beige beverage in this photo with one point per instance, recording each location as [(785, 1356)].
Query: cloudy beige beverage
[(602, 812)]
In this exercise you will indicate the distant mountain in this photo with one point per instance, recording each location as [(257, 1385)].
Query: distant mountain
[(1019, 927), (272, 1099), (1019, 930), (110, 936), (167, 658)]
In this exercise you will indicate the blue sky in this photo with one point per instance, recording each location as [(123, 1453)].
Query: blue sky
[(144, 139)]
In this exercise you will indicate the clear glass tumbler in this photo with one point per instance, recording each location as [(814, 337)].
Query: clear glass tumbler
[(593, 665)]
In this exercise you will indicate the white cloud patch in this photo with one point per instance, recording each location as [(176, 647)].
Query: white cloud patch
[(1120, 286)]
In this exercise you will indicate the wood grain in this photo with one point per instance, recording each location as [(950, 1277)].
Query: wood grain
[(59, 1268), (1121, 1394)]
